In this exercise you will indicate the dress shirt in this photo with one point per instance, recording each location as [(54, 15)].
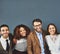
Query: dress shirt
[(39, 35), (3, 42)]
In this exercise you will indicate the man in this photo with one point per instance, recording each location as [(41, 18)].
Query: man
[(36, 39), (5, 41)]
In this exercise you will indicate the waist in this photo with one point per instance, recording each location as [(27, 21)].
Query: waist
[(20, 51), (21, 47)]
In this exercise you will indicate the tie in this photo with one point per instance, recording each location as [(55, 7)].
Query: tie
[(7, 47)]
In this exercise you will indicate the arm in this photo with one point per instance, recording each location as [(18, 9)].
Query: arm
[(14, 41)]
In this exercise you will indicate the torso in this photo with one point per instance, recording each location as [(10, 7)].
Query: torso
[(21, 45), (54, 46)]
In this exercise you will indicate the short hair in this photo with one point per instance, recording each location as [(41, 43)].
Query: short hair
[(36, 20), (4, 25), (54, 26)]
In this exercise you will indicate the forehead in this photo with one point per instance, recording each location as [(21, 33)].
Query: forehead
[(21, 28), (50, 26), (4, 28), (36, 23)]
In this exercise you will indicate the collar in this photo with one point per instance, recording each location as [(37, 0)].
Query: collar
[(4, 39), (38, 33)]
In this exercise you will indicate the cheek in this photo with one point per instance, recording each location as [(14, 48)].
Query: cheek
[(52, 31), (20, 33), (34, 27), (49, 31), (2, 32), (8, 32)]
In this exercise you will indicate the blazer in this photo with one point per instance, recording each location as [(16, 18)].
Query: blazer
[(2, 51), (33, 45)]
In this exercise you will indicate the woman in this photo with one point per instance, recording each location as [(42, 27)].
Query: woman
[(20, 39), (53, 39)]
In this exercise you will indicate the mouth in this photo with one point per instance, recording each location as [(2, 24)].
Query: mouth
[(5, 33)]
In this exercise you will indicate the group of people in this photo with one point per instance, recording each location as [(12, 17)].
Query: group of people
[(25, 41)]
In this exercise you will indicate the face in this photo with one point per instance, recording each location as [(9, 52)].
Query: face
[(51, 30), (22, 31), (37, 26), (4, 32)]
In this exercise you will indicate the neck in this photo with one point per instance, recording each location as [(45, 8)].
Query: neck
[(39, 31), (53, 34), (5, 37)]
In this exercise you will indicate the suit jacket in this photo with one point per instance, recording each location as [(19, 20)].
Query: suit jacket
[(2, 51), (34, 45)]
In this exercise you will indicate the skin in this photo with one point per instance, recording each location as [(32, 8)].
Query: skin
[(22, 31), (4, 32), (52, 30), (37, 26)]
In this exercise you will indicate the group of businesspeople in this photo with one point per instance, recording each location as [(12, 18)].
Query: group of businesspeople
[(25, 41)]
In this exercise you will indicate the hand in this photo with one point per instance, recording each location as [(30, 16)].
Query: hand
[(14, 41)]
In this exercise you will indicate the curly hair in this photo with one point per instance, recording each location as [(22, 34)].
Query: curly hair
[(17, 31)]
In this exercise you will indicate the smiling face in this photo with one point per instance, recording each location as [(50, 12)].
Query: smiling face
[(22, 31), (4, 32), (37, 26), (52, 29)]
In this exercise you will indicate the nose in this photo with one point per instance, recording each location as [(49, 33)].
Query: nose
[(38, 27), (5, 31)]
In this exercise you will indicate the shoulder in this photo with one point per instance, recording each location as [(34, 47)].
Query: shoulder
[(31, 35), (59, 36), (47, 36)]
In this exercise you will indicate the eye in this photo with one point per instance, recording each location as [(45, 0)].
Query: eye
[(50, 28), (2, 30), (7, 30)]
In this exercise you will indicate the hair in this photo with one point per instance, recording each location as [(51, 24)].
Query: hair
[(17, 31), (36, 20), (54, 26), (4, 25)]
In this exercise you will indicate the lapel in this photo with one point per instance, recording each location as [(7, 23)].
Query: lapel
[(10, 49), (1, 47), (43, 35), (36, 38), (44, 41)]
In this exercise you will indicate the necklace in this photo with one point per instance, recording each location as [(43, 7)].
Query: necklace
[(53, 38)]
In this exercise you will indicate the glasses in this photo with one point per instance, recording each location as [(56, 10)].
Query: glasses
[(37, 25), (4, 30)]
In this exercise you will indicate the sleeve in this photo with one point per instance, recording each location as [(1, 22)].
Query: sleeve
[(29, 45)]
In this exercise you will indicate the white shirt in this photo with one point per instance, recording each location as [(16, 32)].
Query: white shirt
[(3, 42), (54, 46)]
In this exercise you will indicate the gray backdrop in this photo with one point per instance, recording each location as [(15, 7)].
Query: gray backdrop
[(15, 12)]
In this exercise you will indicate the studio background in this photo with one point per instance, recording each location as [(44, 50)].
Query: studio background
[(15, 12)]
